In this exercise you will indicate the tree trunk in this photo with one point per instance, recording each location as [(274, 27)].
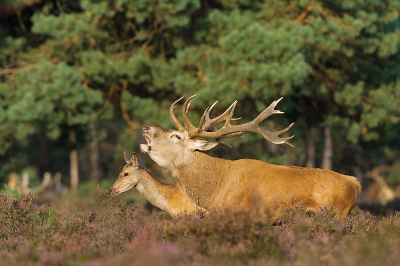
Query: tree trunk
[(310, 163), (73, 157), (94, 154), (327, 156)]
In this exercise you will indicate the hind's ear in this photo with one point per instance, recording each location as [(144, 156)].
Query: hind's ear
[(134, 159), (127, 158)]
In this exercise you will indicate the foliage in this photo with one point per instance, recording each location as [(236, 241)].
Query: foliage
[(66, 64), (13, 192), (19, 216), (132, 236)]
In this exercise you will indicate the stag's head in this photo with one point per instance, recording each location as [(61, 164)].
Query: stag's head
[(171, 148), (129, 176)]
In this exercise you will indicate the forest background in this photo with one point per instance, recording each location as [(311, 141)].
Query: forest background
[(79, 79)]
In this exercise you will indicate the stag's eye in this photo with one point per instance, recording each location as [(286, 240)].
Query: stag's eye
[(175, 136), (125, 174)]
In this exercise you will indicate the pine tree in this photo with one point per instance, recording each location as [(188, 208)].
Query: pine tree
[(69, 65)]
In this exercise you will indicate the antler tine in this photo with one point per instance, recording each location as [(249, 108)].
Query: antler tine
[(223, 143), (274, 136), (174, 120), (209, 110), (269, 111), (185, 109), (210, 124), (284, 130), (206, 115), (230, 113), (202, 119)]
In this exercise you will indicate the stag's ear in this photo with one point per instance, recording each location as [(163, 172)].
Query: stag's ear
[(127, 158), (134, 159), (202, 145)]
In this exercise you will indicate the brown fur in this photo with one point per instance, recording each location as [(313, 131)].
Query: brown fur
[(214, 183), (166, 197), (179, 203)]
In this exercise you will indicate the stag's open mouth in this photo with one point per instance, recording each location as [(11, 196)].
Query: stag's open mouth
[(149, 143), (146, 147)]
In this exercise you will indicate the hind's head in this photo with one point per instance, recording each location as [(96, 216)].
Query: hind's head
[(129, 176)]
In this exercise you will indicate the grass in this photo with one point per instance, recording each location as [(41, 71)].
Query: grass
[(126, 234)]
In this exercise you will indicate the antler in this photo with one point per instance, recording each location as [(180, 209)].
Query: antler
[(208, 127), (174, 120), (211, 124)]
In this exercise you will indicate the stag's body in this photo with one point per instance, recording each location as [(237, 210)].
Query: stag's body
[(214, 183), (169, 198)]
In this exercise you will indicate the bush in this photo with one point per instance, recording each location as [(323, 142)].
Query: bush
[(123, 234), (19, 217)]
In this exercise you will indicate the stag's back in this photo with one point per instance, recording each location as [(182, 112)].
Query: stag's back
[(275, 184)]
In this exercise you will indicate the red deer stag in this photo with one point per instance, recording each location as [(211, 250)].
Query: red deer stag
[(166, 197), (214, 183)]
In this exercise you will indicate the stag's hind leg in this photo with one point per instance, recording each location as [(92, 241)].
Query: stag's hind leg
[(345, 201), (345, 211)]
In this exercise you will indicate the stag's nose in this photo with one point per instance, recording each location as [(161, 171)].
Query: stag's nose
[(145, 130)]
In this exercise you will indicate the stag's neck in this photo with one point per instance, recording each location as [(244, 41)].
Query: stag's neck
[(153, 190), (201, 177)]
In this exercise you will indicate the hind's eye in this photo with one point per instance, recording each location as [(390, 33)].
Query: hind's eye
[(125, 174), (177, 137)]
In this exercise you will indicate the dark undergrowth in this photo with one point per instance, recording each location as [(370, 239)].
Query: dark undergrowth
[(121, 234)]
